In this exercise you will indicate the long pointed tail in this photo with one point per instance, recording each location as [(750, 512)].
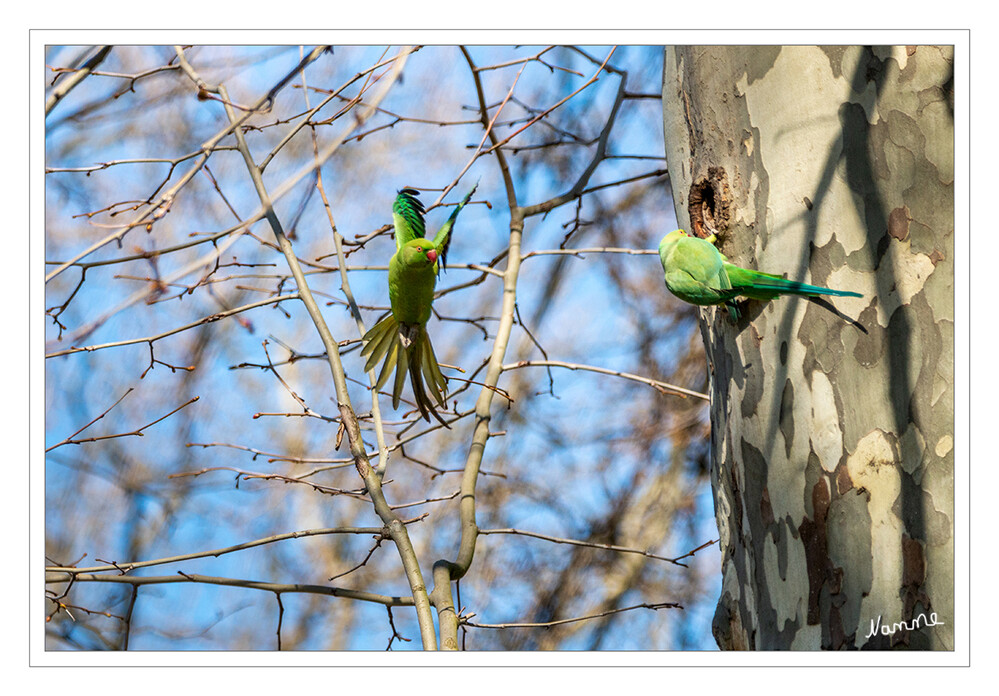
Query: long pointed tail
[(407, 349), (766, 286)]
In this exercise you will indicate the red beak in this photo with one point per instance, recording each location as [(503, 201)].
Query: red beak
[(432, 255)]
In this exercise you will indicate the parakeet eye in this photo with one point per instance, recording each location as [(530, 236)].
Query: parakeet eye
[(419, 248)]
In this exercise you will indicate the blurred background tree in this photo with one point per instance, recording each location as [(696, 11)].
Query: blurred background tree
[(189, 404)]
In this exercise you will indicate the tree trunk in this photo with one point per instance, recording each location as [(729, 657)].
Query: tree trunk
[(833, 419)]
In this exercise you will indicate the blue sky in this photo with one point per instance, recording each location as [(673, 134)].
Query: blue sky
[(587, 324)]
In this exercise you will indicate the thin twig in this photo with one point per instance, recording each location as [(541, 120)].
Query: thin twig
[(200, 322), (135, 580), (590, 250), (560, 622), (662, 387), (65, 86), (215, 553), (136, 433), (591, 544)]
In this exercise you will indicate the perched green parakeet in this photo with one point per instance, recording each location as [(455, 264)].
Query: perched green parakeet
[(698, 273), (401, 337)]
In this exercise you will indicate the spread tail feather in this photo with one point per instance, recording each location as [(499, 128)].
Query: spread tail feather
[(377, 341), (407, 349)]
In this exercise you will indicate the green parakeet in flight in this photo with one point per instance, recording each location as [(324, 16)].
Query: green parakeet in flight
[(698, 273), (401, 337)]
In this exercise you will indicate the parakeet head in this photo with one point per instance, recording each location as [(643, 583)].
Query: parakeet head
[(669, 240), (419, 253)]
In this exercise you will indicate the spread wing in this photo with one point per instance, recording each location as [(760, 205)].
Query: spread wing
[(442, 239), (407, 214)]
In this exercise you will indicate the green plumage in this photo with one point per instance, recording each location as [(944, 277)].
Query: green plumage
[(400, 338), (698, 273)]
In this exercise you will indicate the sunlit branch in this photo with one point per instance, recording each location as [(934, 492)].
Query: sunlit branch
[(444, 570), (598, 155), (489, 134), (306, 119), (125, 567), (104, 413), (133, 433), (75, 78), (151, 339), (663, 387), (535, 58), (560, 622), (538, 117), (134, 580), (157, 209), (589, 250), (376, 413), (590, 544), (275, 457), (242, 474), (139, 160), (198, 264)]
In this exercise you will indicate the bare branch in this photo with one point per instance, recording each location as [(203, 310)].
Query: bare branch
[(141, 581), (663, 387), (591, 544), (152, 339), (560, 622), (215, 553), (137, 433), (78, 76)]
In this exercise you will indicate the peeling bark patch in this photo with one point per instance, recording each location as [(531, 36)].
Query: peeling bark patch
[(709, 203), (786, 418), (752, 386), (766, 509), (693, 134), (726, 625), (825, 434), (761, 61), (755, 484), (774, 618), (919, 515), (781, 540), (930, 348), (736, 499), (870, 347), (837, 636), (875, 68), (843, 481), (913, 595), (898, 223), (848, 526), (913, 566), (835, 55), (821, 573)]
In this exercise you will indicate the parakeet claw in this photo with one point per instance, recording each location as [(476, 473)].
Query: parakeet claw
[(408, 333)]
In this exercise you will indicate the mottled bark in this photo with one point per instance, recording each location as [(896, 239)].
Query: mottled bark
[(832, 421)]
